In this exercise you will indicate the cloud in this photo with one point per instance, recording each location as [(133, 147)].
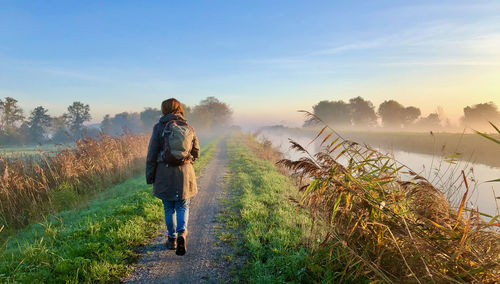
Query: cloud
[(446, 62), (370, 44), (437, 43)]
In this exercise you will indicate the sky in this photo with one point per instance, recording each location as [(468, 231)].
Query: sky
[(266, 59)]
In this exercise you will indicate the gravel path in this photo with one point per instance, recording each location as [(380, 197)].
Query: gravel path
[(203, 262)]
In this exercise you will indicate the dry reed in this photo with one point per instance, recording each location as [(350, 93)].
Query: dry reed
[(32, 186), (388, 227)]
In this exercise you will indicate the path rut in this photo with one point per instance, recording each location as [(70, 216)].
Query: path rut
[(203, 262)]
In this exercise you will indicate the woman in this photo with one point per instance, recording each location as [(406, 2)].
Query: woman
[(173, 178)]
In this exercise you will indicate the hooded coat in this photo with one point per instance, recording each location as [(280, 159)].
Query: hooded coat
[(170, 183)]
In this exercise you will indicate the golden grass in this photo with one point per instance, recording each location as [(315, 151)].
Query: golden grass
[(32, 186), (390, 228)]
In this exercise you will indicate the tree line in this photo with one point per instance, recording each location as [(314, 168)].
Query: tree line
[(38, 127), (209, 115), (359, 112)]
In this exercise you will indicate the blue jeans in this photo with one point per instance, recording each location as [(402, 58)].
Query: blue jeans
[(176, 216)]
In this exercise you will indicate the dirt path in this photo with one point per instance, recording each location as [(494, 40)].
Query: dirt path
[(203, 262)]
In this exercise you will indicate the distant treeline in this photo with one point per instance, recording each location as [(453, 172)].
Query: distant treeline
[(38, 127), (391, 114)]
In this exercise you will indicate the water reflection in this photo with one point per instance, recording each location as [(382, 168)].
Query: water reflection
[(445, 175)]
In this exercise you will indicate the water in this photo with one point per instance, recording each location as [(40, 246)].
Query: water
[(448, 177), (442, 174)]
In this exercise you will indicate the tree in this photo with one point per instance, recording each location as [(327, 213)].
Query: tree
[(187, 111), (10, 113), (38, 123), (22, 134), (211, 114), (334, 113), (410, 114), (78, 113), (125, 122), (432, 121), (107, 124), (60, 133), (480, 114), (362, 112), (394, 114), (391, 113), (149, 117)]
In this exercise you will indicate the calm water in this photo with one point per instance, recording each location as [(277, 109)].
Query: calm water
[(444, 175)]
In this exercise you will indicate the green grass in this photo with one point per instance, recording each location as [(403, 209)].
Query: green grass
[(207, 153), (269, 231), (93, 244)]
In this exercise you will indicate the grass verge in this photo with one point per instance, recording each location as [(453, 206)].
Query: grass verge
[(93, 244), (265, 225)]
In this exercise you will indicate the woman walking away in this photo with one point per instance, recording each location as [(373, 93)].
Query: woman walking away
[(173, 148)]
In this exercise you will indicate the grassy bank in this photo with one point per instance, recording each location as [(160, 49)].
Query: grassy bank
[(369, 224), (265, 225), (92, 244)]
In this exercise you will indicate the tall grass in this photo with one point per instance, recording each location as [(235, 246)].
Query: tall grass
[(393, 229), (32, 186), (92, 244)]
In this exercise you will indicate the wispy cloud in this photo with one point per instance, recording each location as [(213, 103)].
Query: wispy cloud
[(436, 43), (438, 62), (369, 44), (277, 60)]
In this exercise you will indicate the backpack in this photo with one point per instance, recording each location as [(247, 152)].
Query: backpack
[(177, 142)]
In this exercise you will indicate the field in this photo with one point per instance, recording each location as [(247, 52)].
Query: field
[(310, 220), (30, 150)]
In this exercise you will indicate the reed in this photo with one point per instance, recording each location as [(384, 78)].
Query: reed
[(33, 186), (387, 221)]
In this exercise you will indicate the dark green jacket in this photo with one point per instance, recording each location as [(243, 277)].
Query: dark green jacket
[(170, 182)]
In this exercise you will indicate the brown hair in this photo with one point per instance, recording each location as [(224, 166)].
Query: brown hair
[(172, 106)]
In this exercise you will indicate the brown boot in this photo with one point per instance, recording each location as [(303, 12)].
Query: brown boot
[(181, 243), (171, 243)]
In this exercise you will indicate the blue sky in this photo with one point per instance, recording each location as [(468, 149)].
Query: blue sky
[(265, 58)]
